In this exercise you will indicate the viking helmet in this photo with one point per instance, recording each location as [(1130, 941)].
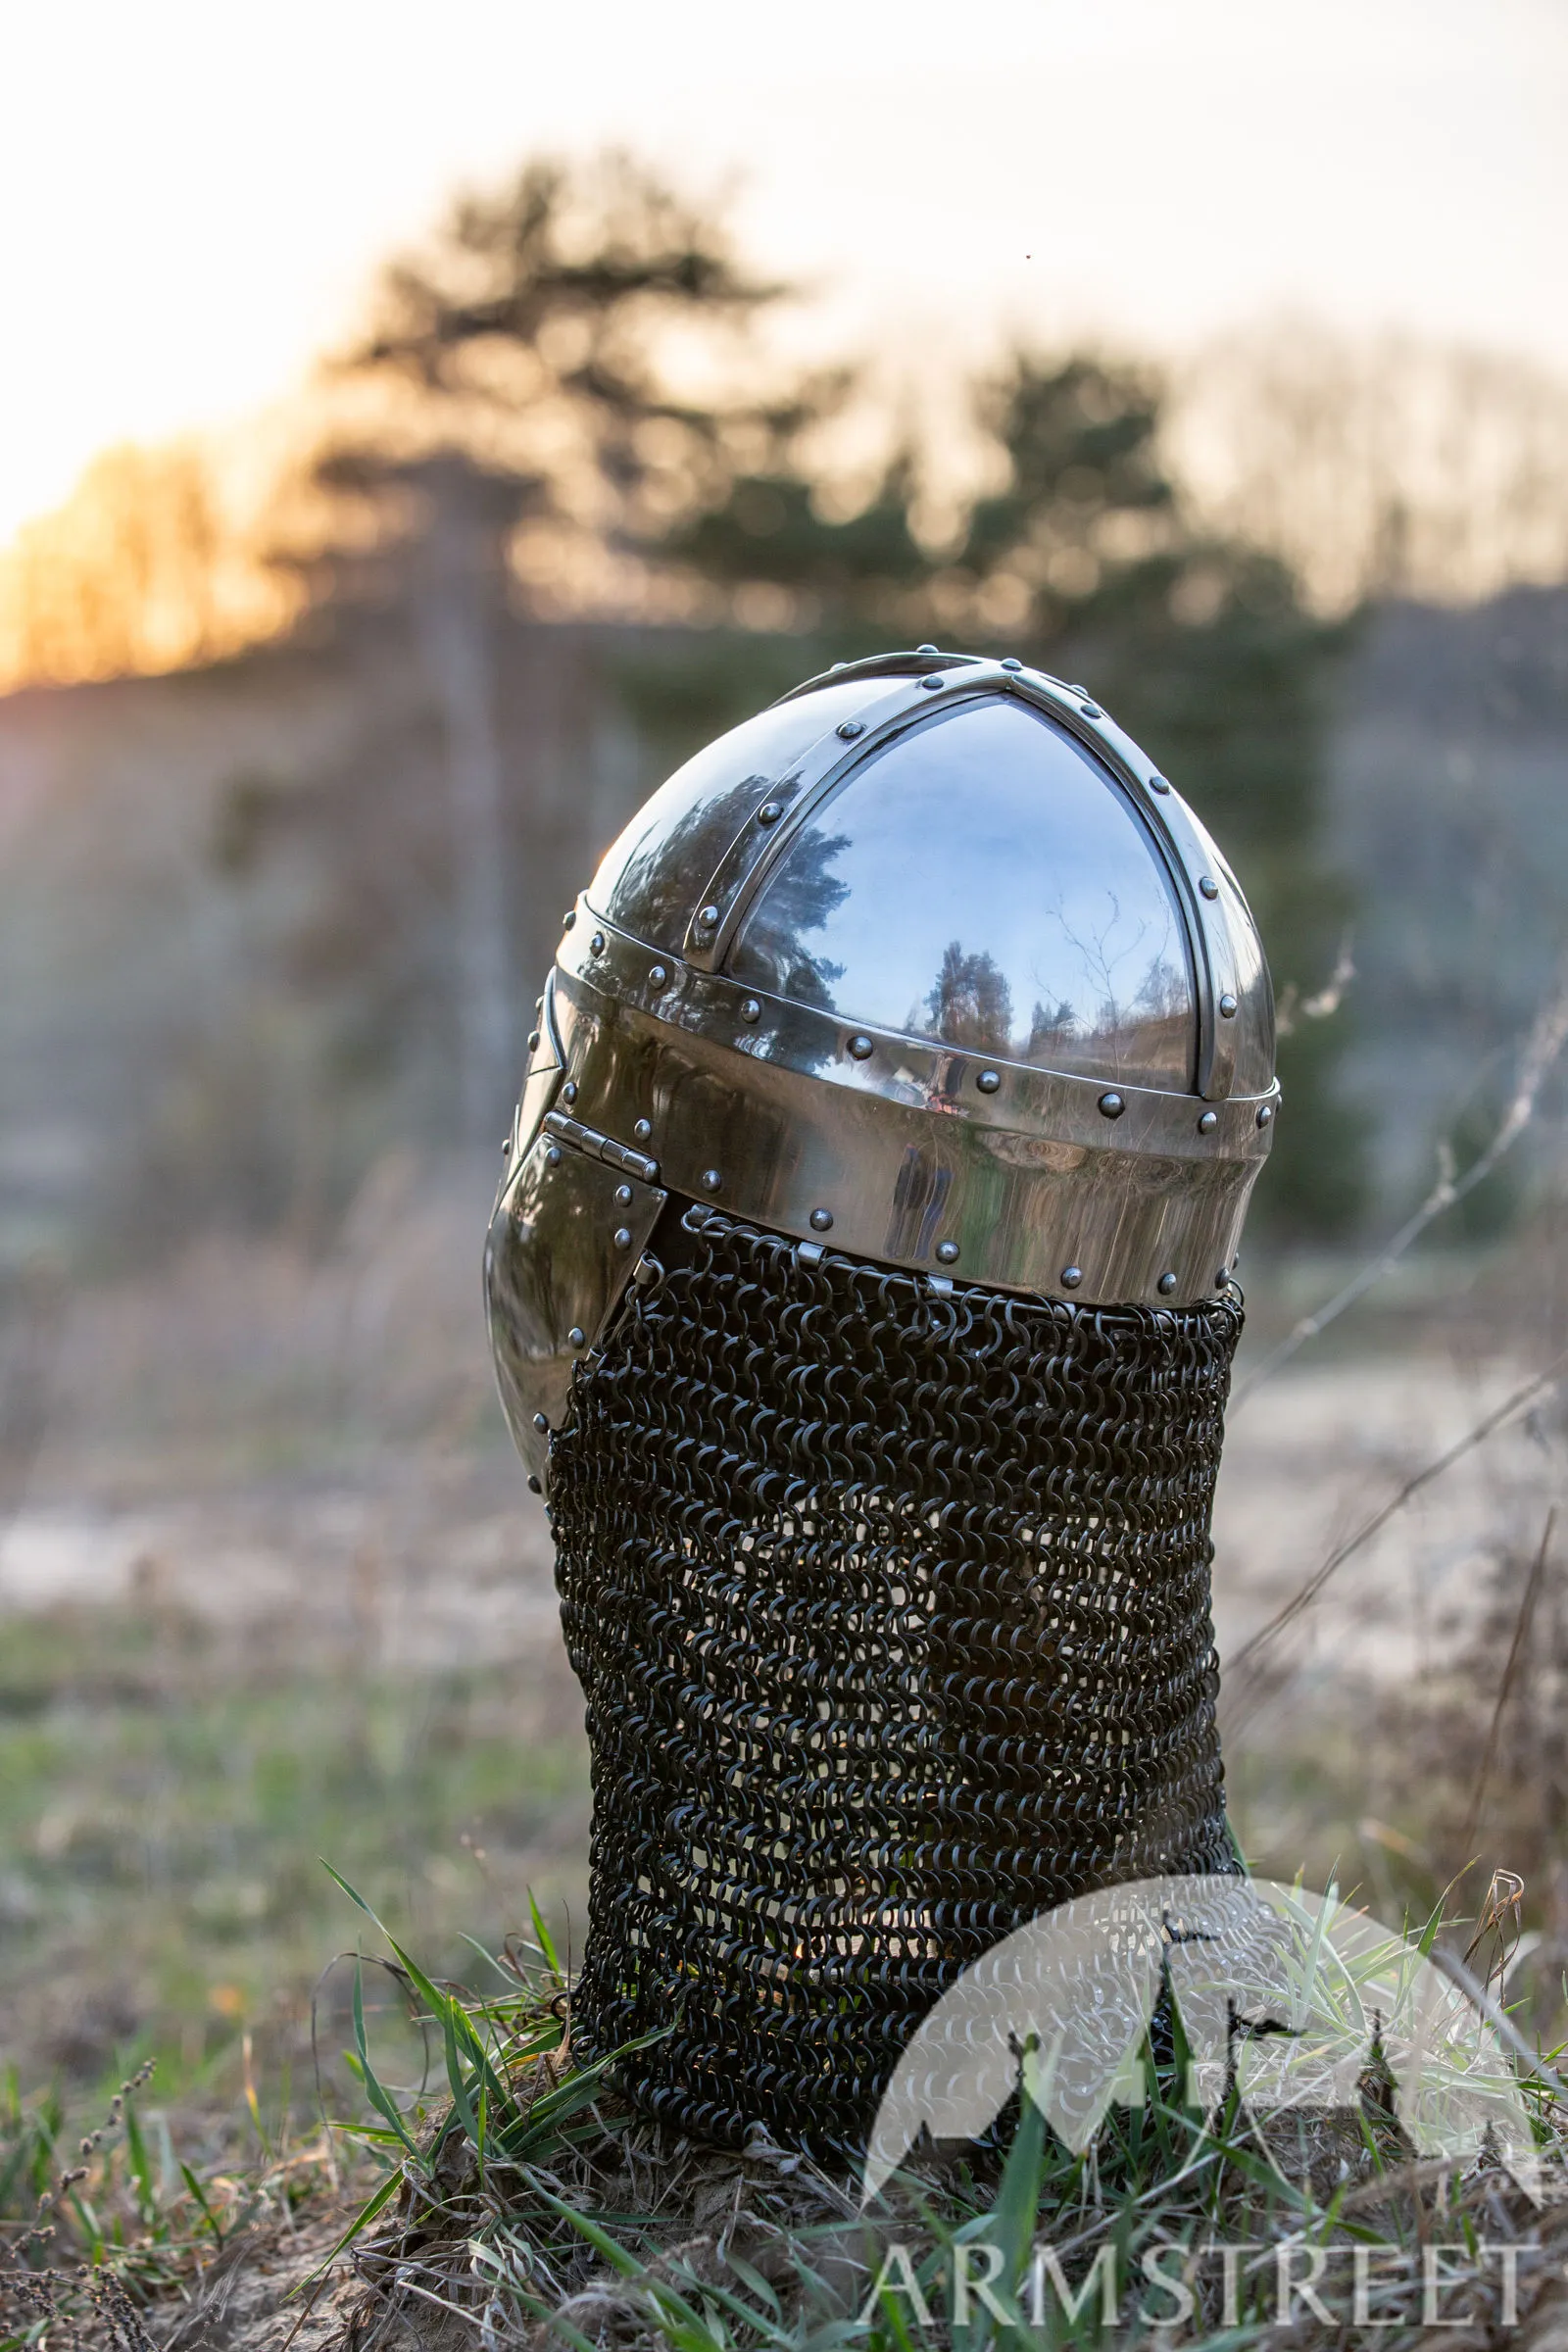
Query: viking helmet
[(860, 1284), (927, 957)]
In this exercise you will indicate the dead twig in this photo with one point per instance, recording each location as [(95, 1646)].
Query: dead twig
[(1549, 1033), (1242, 1670), (1521, 1634)]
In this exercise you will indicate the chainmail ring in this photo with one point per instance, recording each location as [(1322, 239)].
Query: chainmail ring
[(891, 1608)]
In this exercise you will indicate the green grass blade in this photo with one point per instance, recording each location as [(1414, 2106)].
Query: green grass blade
[(544, 2120), (139, 2158), (442, 2006), (461, 2082), (753, 2279), (200, 2195), (544, 1939), (617, 2255), (379, 2097)]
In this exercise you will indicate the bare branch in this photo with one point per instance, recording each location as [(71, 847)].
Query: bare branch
[(1521, 1635), (1243, 1671), (1548, 1036)]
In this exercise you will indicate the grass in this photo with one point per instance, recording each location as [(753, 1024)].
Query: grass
[(517, 2200), (532, 2200), (181, 1786)]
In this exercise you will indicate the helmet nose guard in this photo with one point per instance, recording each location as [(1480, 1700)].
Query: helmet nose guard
[(928, 958)]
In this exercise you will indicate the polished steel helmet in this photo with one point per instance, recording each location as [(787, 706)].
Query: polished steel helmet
[(928, 963)]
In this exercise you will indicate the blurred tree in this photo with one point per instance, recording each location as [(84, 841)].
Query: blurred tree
[(857, 579), (145, 567), (1380, 467), (526, 439), (585, 335)]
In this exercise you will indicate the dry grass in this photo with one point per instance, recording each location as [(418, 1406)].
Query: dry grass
[(528, 2205)]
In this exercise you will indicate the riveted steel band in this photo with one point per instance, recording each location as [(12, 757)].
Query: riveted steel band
[(1054, 1105), (1037, 1185)]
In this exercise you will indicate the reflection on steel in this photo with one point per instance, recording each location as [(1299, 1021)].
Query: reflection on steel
[(971, 973), (1029, 1169), (995, 873), (555, 1270)]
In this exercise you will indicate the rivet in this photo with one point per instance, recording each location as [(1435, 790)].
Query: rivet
[(1158, 784), (1111, 1105), (568, 1093), (1092, 710), (770, 812), (533, 1041), (1208, 886), (1227, 1007), (989, 1081), (931, 684), (506, 1146), (1221, 1278), (927, 649), (849, 728), (642, 1132), (576, 1336), (541, 1421), (822, 1220), (1071, 1277), (751, 1010), (1265, 1114), (622, 1238), (534, 1487), (948, 1253), (1011, 661), (860, 1049), (595, 946), (623, 1195), (1165, 1285), (711, 1179), (569, 918), (707, 917), (658, 977), (1208, 1122), (552, 1156), (838, 666)]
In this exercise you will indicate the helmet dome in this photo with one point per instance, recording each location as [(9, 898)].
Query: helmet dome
[(928, 958), (979, 876)]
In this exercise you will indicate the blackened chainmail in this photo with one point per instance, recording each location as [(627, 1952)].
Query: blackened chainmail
[(892, 1613)]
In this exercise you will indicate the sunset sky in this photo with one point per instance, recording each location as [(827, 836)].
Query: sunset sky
[(193, 197)]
